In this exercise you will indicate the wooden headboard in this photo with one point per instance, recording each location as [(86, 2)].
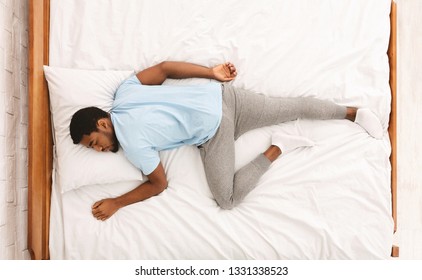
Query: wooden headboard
[(40, 143)]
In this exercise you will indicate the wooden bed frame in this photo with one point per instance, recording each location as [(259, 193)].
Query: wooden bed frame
[(40, 143)]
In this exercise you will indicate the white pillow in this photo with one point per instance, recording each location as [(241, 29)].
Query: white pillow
[(71, 90)]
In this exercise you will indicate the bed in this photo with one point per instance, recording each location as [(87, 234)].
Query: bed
[(336, 200)]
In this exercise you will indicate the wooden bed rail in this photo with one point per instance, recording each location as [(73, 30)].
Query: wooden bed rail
[(392, 129), (40, 153)]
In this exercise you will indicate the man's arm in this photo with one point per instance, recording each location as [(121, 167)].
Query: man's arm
[(157, 74), (157, 182)]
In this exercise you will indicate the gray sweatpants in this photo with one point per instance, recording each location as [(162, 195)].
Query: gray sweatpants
[(244, 111)]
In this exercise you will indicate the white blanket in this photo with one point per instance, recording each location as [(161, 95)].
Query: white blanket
[(331, 201)]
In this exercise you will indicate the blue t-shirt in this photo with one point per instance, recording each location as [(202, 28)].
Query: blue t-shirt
[(149, 119)]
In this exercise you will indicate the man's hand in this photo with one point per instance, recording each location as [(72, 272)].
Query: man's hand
[(104, 209), (157, 182), (224, 72)]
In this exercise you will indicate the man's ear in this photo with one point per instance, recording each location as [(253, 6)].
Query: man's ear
[(102, 123)]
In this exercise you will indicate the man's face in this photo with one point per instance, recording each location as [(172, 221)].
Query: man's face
[(102, 140)]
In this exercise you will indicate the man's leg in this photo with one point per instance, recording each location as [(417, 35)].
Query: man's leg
[(256, 110), (218, 156)]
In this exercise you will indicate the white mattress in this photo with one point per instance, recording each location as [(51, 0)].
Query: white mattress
[(331, 201)]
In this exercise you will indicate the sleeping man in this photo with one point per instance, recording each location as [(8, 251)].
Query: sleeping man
[(148, 117)]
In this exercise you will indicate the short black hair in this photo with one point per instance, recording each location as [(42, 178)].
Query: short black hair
[(84, 122)]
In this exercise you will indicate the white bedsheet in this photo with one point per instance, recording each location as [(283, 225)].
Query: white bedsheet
[(331, 201)]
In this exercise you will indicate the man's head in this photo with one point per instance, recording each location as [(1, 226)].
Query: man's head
[(92, 127)]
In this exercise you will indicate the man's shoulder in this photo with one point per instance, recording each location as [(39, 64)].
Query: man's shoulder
[(128, 84)]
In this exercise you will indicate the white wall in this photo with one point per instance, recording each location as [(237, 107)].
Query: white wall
[(409, 233), (13, 128)]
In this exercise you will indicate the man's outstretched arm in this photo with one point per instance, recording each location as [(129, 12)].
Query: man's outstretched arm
[(157, 74), (157, 182)]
